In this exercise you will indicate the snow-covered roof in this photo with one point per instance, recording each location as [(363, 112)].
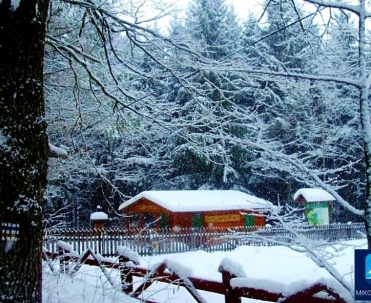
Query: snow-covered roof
[(202, 200), (98, 215), (314, 195)]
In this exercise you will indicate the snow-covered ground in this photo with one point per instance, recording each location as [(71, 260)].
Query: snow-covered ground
[(266, 267)]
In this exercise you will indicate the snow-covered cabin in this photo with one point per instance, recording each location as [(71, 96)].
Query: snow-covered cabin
[(317, 203), (195, 208)]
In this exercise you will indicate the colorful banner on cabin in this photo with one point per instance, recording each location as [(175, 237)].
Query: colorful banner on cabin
[(222, 218), (317, 213)]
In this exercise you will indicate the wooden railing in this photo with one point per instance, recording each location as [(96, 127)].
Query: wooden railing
[(231, 286), (161, 241)]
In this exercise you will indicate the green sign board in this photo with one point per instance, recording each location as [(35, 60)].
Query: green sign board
[(317, 213), (197, 220), (249, 220)]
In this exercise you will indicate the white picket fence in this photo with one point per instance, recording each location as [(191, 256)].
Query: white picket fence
[(160, 241)]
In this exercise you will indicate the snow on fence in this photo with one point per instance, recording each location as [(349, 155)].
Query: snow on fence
[(160, 241), (233, 285)]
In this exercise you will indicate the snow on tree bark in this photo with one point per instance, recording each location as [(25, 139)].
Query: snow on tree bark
[(23, 155)]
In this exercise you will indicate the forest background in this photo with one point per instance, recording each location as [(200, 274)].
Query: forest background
[(153, 117)]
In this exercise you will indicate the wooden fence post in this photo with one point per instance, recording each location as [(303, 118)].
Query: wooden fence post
[(101, 240), (126, 256), (125, 275), (230, 295), (227, 271), (63, 260)]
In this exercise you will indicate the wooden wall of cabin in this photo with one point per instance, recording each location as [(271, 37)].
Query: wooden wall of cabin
[(145, 213), (196, 220)]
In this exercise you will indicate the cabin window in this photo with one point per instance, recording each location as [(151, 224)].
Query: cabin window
[(134, 220), (248, 220), (164, 221), (197, 220), (149, 220)]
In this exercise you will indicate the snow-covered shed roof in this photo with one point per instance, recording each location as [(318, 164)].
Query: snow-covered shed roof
[(98, 215), (314, 195), (202, 200)]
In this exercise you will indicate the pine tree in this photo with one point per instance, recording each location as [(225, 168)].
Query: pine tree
[(202, 157)]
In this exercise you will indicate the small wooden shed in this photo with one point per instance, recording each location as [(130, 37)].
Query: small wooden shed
[(98, 219), (194, 208), (317, 203)]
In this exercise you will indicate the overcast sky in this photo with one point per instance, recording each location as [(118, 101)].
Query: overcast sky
[(149, 9), (241, 8)]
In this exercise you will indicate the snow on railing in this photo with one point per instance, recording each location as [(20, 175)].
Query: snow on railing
[(234, 284)]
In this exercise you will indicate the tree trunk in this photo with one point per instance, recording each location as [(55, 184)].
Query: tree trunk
[(365, 116), (23, 148)]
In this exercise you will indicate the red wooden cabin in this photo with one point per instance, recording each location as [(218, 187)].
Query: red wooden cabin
[(195, 208)]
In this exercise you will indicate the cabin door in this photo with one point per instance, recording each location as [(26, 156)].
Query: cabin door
[(149, 220), (164, 221)]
